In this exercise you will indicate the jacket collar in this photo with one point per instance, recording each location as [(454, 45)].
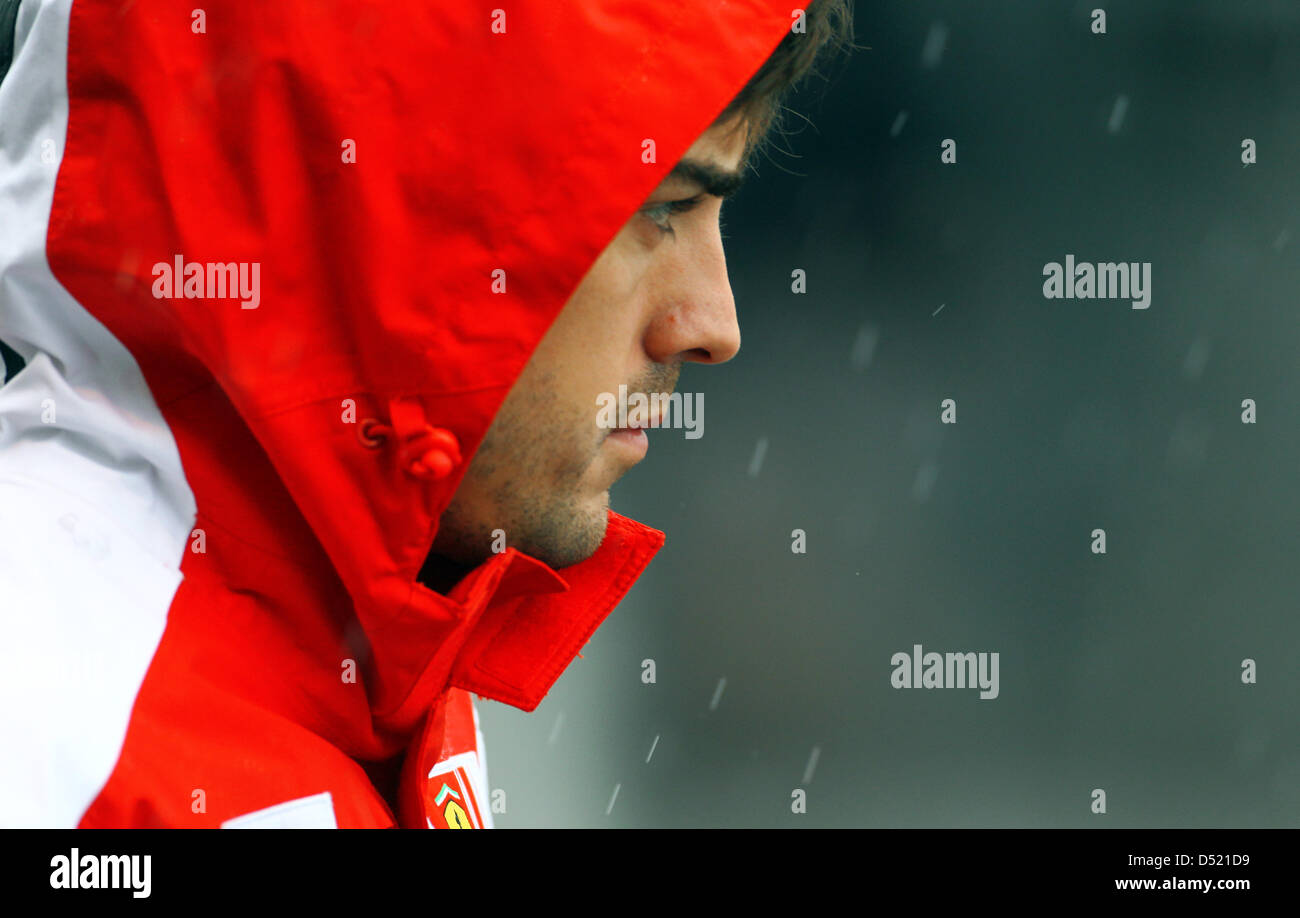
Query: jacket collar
[(507, 630)]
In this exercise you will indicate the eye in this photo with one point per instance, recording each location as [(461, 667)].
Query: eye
[(659, 214)]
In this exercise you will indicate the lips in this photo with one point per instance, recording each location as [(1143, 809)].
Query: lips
[(632, 439)]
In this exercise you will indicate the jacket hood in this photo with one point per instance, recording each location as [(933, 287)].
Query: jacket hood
[(373, 168)]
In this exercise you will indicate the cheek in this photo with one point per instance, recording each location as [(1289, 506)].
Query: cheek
[(593, 343), (610, 289)]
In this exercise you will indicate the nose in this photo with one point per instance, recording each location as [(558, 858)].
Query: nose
[(695, 314)]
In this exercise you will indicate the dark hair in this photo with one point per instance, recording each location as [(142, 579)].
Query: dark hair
[(828, 26)]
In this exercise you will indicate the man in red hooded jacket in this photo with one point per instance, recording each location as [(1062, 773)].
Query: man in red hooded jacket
[(306, 317)]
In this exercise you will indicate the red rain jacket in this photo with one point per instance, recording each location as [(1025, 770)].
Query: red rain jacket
[(227, 516)]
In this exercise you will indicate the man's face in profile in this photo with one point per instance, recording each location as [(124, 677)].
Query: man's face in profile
[(656, 297)]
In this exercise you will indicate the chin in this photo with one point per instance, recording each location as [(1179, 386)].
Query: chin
[(569, 537)]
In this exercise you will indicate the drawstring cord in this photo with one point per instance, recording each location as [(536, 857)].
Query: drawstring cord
[(426, 451), (372, 433)]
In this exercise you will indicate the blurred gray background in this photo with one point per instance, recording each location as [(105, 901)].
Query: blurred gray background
[(1118, 671)]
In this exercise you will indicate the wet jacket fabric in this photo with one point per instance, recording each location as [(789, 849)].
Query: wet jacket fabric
[(251, 272)]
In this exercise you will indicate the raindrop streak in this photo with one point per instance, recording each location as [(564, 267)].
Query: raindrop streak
[(935, 42), (812, 764), (652, 749), (1117, 114), (612, 799), (717, 694), (1187, 442), (555, 731), (925, 478), (1197, 355), (864, 347), (897, 127), (756, 464)]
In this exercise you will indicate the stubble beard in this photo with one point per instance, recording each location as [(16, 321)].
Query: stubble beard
[(521, 484)]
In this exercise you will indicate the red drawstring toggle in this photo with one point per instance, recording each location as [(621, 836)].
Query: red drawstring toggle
[(426, 451), (432, 453)]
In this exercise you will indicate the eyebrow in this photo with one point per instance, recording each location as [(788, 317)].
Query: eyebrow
[(722, 183)]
